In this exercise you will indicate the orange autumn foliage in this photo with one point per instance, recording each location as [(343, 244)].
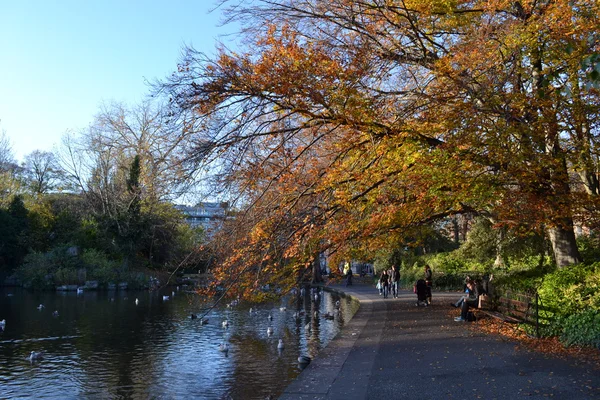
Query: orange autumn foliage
[(345, 126)]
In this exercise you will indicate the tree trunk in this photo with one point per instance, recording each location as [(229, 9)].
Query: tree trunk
[(564, 245), (500, 234), (316, 269), (456, 230)]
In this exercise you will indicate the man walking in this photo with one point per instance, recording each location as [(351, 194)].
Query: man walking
[(395, 281)]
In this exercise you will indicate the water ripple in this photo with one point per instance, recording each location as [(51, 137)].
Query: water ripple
[(104, 346)]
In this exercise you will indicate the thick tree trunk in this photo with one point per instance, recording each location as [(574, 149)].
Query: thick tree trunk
[(316, 270), (564, 245), (500, 234)]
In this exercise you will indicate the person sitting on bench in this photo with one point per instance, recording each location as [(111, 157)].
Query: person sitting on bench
[(472, 300)]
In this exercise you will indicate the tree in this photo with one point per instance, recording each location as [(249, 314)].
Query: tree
[(417, 110), (9, 184), (42, 172), (127, 165), (14, 231)]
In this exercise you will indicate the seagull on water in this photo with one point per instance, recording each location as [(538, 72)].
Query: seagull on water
[(137, 302), (2, 324), (223, 347), (36, 356), (280, 345), (55, 313), (225, 324), (40, 307), (269, 331)]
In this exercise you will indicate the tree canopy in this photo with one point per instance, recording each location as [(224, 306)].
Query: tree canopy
[(348, 124)]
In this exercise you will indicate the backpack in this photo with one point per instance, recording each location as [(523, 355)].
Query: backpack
[(471, 317)]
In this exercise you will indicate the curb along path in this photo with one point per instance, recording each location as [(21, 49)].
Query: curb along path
[(392, 349)]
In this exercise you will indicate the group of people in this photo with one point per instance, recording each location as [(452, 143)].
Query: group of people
[(389, 282)]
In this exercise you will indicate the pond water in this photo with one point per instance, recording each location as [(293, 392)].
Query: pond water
[(104, 345)]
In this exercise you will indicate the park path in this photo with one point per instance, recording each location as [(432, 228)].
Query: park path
[(392, 349)]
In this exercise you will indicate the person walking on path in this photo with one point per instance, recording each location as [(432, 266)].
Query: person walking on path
[(428, 282), (348, 273), (384, 282), (395, 277)]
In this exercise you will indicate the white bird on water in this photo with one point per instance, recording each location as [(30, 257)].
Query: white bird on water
[(55, 313), (270, 317), (269, 331), (225, 324), (137, 302), (282, 308), (165, 298), (224, 347), (40, 307), (280, 345), (2, 324), (36, 356)]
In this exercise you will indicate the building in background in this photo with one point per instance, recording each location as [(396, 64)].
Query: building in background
[(205, 214)]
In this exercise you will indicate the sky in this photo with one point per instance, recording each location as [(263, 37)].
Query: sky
[(61, 59)]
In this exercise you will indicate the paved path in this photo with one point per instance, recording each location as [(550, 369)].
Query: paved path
[(392, 349)]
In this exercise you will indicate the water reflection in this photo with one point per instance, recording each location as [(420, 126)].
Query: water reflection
[(104, 345)]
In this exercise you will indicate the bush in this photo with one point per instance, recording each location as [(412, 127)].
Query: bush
[(66, 276), (582, 329), (589, 247), (99, 267), (36, 271), (572, 289), (43, 270)]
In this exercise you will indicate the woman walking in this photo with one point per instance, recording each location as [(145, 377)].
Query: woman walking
[(384, 281)]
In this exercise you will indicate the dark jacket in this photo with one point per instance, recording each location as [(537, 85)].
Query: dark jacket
[(384, 279)]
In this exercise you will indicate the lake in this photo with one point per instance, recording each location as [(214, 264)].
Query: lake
[(104, 345)]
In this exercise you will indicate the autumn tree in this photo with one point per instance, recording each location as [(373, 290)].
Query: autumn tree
[(416, 111)]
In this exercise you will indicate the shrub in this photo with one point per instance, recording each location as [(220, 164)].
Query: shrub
[(36, 271), (582, 329), (572, 289), (66, 276), (589, 247), (99, 267)]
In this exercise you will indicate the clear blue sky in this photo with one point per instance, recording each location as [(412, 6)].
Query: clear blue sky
[(60, 59)]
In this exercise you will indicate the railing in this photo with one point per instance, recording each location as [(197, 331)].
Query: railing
[(520, 308)]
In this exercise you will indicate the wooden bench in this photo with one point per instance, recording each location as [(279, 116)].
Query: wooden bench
[(507, 309)]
